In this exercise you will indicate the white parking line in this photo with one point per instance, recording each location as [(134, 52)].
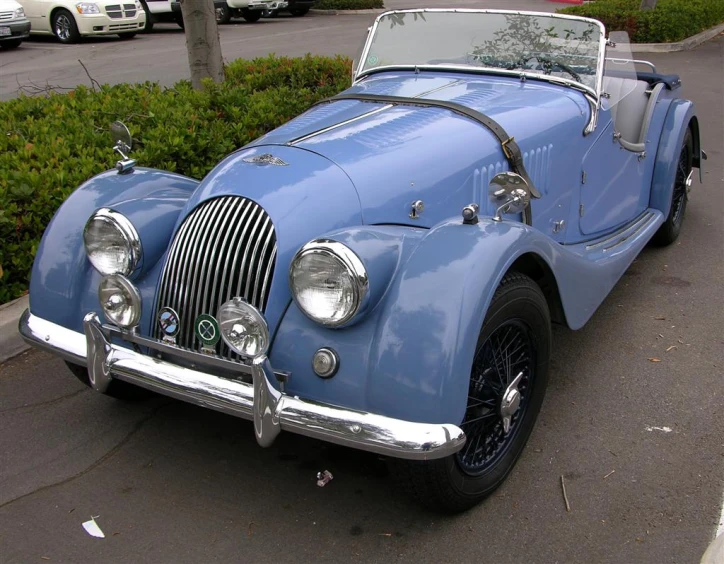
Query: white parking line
[(720, 529)]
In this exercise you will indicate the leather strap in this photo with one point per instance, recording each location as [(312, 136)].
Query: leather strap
[(510, 147)]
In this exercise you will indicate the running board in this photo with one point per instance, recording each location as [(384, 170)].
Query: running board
[(627, 232)]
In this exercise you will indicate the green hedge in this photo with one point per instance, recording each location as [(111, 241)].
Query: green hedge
[(50, 145), (670, 21), (348, 4)]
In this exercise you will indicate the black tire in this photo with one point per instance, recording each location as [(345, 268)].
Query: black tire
[(298, 12), (223, 15), (179, 19), (457, 483), (64, 27), (10, 44), (148, 28), (127, 35), (117, 389), (251, 16), (670, 229)]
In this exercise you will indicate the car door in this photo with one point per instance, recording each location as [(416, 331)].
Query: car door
[(35, 10), (612, 184)]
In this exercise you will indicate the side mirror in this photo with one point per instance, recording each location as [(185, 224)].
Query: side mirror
[(122, 143), (121, 137), (509, 192)]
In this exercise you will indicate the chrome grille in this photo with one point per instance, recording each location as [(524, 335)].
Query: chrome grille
[(6, 15), (225, 248)]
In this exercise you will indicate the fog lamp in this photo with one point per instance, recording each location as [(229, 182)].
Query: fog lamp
[(120, 301), (243, 328)]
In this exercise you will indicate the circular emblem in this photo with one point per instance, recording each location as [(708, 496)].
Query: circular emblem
[(168, 321), (207, 330), (372, 60)]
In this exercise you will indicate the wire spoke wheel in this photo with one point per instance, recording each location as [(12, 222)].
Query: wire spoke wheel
[(680, 187), (505, 355)]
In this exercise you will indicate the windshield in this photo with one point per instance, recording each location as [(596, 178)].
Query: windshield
[(548, 45)]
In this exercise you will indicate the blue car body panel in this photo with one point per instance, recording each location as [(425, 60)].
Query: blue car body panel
[(352, 171)]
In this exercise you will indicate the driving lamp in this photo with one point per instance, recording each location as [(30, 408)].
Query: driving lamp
[(328, 281), (243, 328), (120, 301), (112, 243)]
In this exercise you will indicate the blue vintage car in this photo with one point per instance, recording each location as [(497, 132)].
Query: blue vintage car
[(382, 272)]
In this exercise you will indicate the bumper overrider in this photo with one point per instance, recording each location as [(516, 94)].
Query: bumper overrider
[(271, 410)]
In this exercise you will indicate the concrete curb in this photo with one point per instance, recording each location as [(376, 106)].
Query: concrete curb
[(343, 12), (685, 45), (11, 343)]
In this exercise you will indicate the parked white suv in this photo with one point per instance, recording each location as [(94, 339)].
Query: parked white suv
[(250, 10), (14, 26), (68, 20)]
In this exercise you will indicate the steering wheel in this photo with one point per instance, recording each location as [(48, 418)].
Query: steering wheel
[(552, 63)]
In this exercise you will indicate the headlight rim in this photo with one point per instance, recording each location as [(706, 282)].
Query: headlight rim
[(355, 268), (129, 234)]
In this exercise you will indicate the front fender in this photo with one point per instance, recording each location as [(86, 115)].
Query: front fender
[(63, 283), (680, 114)]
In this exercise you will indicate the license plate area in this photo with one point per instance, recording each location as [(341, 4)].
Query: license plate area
[(4, 31)]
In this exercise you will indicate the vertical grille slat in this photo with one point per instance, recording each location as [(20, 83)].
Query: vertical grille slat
[(225, 248)]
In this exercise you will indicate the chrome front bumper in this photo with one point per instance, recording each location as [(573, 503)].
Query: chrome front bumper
[(270, 409)]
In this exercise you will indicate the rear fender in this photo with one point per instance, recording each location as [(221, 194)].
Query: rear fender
[(679, 117), (63, 283)]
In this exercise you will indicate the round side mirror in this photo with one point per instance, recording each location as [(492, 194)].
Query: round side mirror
[(121, 137), (509, 192)]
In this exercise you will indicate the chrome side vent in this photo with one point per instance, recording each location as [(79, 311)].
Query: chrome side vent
[(225, 248)]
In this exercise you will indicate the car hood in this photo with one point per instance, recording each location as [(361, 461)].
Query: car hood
[(397, 155)]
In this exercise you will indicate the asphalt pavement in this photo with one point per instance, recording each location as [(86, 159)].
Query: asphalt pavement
[(640, 443)]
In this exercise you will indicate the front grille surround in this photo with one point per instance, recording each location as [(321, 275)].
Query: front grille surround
[(225, 248)]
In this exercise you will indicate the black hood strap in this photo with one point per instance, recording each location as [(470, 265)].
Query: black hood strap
[(510, 147)]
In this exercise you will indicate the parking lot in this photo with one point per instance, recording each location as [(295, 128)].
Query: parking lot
[(640, 444)]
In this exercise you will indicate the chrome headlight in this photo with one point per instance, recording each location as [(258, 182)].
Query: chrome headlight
[(120, 301), (328, 281), (243, 328), (19, 13), (112, 243)]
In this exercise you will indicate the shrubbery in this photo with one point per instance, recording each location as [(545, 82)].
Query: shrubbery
[(670, 21), (50, 145), (348, 4)]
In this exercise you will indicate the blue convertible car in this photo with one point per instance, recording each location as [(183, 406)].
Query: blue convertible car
[(382, 272)]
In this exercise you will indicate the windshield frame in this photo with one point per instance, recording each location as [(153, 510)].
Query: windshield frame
[(593, 95)]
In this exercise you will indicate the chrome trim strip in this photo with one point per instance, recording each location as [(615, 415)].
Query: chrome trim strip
[(623, 234), (271, 410)]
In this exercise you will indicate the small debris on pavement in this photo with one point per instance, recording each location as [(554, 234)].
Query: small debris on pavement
[(660, 318), (323, 478), (654, 360), (662, 429), (92, 528), (607, 475), (565, 496), (671, 348), (251, 528)]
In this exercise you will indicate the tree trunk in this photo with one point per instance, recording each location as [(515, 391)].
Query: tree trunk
[(202, 41)]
